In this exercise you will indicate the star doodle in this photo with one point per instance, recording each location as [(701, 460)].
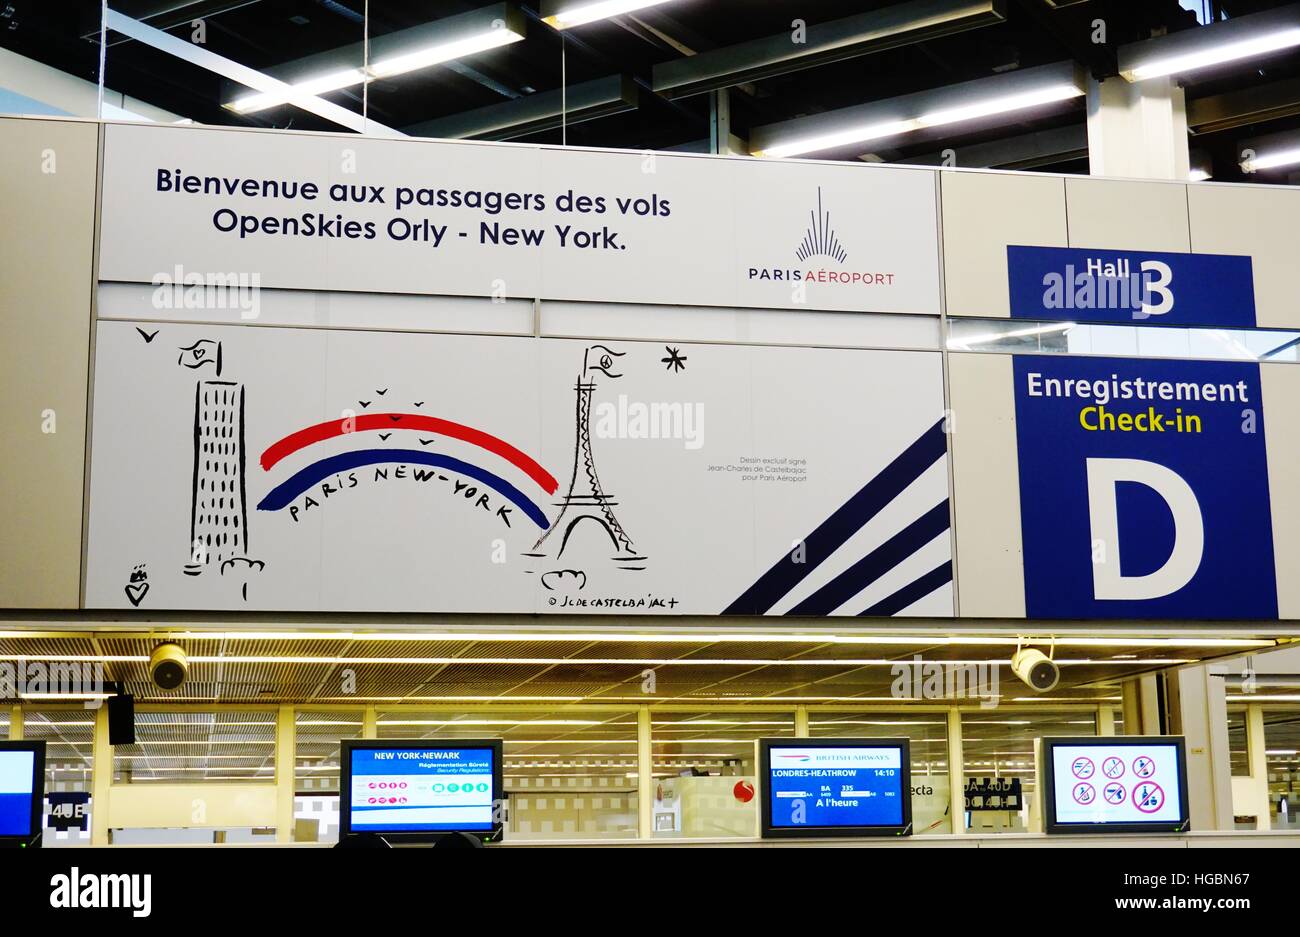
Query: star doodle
[(675, 360)]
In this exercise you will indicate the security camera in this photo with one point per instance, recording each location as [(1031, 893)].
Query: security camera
[(168, 666), (1036, 669)]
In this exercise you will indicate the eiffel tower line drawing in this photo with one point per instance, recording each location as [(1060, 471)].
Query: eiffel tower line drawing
[(586, 498)]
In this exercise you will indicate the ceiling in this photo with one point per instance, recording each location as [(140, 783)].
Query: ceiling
[(265, 34), (357, 668)]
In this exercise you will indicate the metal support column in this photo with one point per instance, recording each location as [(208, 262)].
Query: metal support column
[(1137, 129), (956, 774), (370, 723), (1257, 758), (101, 779), (1105, 720), (801, 722), (16, 724), (285, 759), (645, 782)]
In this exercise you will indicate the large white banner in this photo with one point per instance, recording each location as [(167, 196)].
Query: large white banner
[(324, 212), (242, 467)]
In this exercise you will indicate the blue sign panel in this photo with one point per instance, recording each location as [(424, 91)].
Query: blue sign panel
[(836, 787), (1143, 489), (1134, 287)]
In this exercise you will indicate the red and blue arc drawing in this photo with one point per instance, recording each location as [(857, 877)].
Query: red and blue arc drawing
[(283, 494)]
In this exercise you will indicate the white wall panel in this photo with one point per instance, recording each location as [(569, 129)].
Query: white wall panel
[(986, 487), (982, 214), (1259, 221), (1118, 214)]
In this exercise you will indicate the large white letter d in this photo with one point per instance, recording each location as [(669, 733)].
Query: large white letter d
[(1189, 530)]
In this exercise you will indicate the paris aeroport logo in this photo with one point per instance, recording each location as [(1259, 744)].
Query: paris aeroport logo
[(823, 257)]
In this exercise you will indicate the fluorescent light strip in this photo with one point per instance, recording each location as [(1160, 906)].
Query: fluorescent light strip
[(579, 13), (571, 661), (988, 108), (698, 638), (444, 52), (1201, 175), (383, 68), (1001, 105), (1272, 160), (1217, 55), (333, 81)]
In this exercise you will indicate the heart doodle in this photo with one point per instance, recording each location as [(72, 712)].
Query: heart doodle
[(136, 592)]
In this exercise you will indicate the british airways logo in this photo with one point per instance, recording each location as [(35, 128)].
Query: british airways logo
[(821, 240)]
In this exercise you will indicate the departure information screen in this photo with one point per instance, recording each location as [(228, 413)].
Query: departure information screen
[(1117, 784), (17, 773), (429, 790), (836, 787)]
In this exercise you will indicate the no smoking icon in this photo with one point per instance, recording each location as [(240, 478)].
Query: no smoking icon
[(1113, 767), (1082, 767), (1084, 793)]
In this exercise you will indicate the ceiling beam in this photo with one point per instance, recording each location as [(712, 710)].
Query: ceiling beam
[(1240, 108), (545, 110), (249, 77), (1026, 151), (899, 25)]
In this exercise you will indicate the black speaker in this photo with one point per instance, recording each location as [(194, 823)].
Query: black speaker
[(121, 719)]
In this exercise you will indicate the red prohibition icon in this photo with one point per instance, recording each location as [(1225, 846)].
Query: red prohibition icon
[(1114, 793), (1083, 767), (1144, 766), (1148, 796), (1084, 793), (1113, 767)]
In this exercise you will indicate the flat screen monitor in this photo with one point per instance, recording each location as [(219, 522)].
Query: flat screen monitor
[(421, 791), (1134, 784), (835, 787), (22, 792)]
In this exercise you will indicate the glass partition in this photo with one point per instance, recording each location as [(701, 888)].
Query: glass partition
[(186, 746), (999, 746), (567, 775), (706, 779)]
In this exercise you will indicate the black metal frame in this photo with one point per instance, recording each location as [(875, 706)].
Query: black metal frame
[(1052, 825), (765, 747)]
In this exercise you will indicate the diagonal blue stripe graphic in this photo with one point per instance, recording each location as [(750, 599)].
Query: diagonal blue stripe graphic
[(876, 563), (847, 520)]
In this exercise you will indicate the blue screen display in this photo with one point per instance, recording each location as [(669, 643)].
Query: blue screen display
[(16, 776), (409, 790), (836, 787)]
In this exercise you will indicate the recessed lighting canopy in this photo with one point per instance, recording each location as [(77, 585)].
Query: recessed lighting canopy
[(395, 53), (983, 99), (565, 14)]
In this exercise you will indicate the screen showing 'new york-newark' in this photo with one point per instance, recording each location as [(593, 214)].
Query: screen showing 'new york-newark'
[(409, 790), (836, 787), (16, 793)]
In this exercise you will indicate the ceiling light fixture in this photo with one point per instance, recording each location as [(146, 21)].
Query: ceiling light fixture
[(984, 98), (565, 14), (392, 54), (1219, 54), (1274, 160)]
